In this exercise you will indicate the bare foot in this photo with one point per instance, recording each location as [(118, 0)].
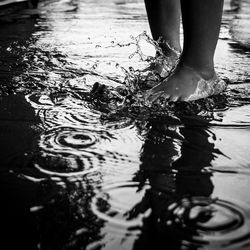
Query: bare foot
[(186, 84)]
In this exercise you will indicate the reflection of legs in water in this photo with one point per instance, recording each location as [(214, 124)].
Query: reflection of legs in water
[(172, 161), (185, 150), (194, 76)]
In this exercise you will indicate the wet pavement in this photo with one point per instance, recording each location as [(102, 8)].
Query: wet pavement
[(80, 173)]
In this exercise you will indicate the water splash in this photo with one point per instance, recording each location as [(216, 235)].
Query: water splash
[(128, 100)]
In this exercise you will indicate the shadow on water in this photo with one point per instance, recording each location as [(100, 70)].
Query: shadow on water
[(16, 35), (17, 137), (20, 130)]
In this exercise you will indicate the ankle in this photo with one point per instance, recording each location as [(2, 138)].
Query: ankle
[(205, 71)]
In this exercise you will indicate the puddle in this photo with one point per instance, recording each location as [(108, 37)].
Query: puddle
[(88, 164)]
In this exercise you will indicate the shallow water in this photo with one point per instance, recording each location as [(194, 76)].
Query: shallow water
[(81, 170)]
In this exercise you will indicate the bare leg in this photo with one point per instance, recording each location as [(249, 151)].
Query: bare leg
[(194, 76), (164, 21)]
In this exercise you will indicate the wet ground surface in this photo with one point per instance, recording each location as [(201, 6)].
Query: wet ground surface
[(82, 169)]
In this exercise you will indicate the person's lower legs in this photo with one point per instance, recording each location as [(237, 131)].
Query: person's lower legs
[(194, 76), (201, 25), (164, 21)]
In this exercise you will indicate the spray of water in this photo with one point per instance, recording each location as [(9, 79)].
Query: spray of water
[(128, 99)]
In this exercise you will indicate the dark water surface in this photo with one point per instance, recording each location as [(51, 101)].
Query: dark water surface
[(81, 169)]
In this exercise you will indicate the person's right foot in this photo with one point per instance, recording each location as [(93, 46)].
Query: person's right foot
[(186, 84)]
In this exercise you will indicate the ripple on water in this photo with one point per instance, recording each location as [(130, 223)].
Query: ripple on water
[(39, 101), (72, 150), (67, 139), (66, 111), (208, 222), (116, 203), (236, 108), (60, 116), (195, 222), (233, 117)]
